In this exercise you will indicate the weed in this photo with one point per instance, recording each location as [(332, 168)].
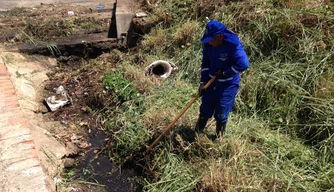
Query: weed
[(140, 81), (53, 48), (18, 74), (158, 42), (174, 173), (285, 99), (45, 28), (50, 158), (184, 34), (9, 59), (17, 11), (120, 86), (89, 110), (91, 24)]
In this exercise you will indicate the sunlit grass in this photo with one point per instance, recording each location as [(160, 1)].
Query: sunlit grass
[(279, 137)]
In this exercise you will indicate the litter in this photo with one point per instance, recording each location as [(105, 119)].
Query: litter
[(59, 100), (99, 6), (141, 14), (70, 12)]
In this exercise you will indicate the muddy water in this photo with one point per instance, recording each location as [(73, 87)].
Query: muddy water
[(96, 167)]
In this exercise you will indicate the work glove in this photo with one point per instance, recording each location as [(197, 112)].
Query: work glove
[(201, 89), (220, 74)]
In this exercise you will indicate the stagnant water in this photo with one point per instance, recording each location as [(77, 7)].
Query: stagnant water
[(97, 168)]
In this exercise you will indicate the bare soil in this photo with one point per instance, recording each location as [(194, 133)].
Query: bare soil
[(45, 22), (83, 79)]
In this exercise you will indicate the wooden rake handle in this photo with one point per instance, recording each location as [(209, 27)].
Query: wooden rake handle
[(148, 148)]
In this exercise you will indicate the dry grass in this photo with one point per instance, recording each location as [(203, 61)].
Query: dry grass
[(283, 39), (215, 179), (251, 159), (184, 35), (206, 8), (158, 17), (144, 84), (157, 118), (326, 86), (158, 40), (227, 171)]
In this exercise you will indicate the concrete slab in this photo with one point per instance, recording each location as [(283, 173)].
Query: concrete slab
[(123, 23), (125, 11)]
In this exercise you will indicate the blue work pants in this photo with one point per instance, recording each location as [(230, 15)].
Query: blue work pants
[(218, 99)]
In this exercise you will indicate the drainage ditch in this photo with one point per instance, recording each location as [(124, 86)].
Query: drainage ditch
[(94, 166), (80, 74)]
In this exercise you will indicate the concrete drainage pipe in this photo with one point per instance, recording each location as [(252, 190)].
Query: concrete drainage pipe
[(161, 68)]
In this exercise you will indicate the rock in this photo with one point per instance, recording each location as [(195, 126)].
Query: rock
[(52, 61), (96, 151), (84, 145), (76, 139), (84, 123), (68, 162), (139, 25), (72, 149)]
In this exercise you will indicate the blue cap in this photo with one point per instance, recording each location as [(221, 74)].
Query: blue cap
[(213, 28)]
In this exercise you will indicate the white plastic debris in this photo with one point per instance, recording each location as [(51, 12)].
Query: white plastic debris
[(60, 90), (59, 100), (70, 12), (161, 68), (57, 180), (141, 14)]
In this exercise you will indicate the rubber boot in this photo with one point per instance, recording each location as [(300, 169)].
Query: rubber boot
[(200, 125), (220, 129)]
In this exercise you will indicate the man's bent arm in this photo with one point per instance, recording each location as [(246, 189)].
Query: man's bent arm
[(241, 62)]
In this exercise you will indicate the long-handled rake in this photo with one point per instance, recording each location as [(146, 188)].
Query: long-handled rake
[(156, 141), (141, 157)]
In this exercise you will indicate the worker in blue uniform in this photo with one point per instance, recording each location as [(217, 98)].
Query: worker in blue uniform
[(225, 58)]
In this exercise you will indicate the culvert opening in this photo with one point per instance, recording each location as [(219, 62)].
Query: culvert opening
[(159, 70)]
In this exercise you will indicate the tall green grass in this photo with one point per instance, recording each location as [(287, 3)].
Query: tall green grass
[(280, 136)]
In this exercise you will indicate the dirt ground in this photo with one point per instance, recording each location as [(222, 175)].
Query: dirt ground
[(9, 4), (46, 22)]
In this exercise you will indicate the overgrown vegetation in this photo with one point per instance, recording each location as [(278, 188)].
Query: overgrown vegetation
[(280, 136)]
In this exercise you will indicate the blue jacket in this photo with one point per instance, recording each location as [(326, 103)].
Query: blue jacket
[(229, 57)]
